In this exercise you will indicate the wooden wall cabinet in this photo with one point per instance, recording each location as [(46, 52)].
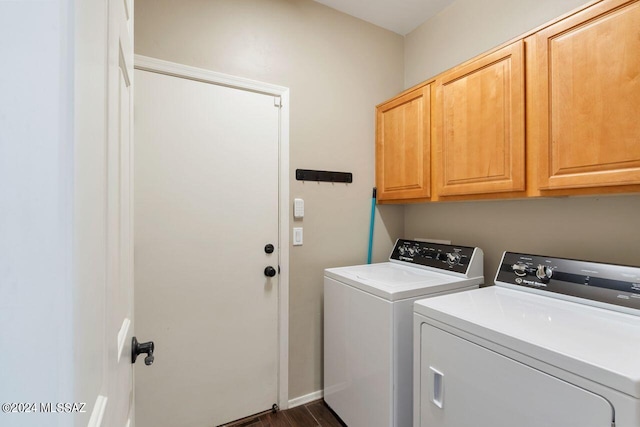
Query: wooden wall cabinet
[(403, 147), (584, 73), (580, 117), (479, 125)]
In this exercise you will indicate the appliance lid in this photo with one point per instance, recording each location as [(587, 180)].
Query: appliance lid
[(595, 343), (394, 282)]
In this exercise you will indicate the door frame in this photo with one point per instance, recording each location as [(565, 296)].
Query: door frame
[(154, 65)]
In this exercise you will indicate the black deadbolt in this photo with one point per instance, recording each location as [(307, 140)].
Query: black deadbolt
[(269, 248), (269, 271)]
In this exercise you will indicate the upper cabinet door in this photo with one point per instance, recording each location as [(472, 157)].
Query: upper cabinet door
[(403, 146), (479, 136), (585, 74)]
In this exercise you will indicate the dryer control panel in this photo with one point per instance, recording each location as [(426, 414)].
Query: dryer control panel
[(434, 255), (617, 285)]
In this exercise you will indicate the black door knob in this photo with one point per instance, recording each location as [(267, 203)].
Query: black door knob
[(269, 271), (269, 248), (139, 348)]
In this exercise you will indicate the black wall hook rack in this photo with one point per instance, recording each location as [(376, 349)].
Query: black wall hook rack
[(324, 176)]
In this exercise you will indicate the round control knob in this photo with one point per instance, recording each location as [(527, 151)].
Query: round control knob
[(543, 272), (453, 258), (412, 252), (519, 269), (402, 250)]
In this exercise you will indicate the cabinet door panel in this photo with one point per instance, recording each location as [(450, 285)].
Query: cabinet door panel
[(403, 147), (479, 130), (586, 72)]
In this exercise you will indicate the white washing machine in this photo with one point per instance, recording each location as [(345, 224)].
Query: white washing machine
[(368, 344), (555, 343)]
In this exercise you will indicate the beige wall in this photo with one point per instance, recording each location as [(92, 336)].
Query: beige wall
[(338, 68), (605, 229), (596, 228), (467, 28)]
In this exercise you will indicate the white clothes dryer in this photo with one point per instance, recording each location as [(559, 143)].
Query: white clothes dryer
[(368, 344), (555, 343)]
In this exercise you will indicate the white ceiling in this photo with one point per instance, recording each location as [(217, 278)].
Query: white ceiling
[(399, 16)]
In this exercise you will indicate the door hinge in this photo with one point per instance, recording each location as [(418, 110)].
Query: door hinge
[(277, 101)]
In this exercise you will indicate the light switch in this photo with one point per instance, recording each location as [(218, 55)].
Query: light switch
[(298, 208), (297, 236)]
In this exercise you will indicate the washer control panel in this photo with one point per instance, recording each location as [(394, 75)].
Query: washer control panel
[(434, 255), (605, 283)]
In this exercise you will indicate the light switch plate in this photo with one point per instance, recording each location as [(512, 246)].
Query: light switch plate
[(297, 236)]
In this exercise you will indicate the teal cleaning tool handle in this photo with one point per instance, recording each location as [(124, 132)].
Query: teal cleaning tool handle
[(373, 218)]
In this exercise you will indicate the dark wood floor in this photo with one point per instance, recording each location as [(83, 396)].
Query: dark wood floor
[(313, 414)]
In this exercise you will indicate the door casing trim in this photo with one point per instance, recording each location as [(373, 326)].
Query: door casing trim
[(154, 65)]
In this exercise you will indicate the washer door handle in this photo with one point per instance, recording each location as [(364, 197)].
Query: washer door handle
[(437, 397)]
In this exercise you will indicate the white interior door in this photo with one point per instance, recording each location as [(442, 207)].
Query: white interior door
[(119, 193), (66, 212), (206, 204)]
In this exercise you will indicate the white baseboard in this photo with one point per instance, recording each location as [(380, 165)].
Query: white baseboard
[(302, 400)]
